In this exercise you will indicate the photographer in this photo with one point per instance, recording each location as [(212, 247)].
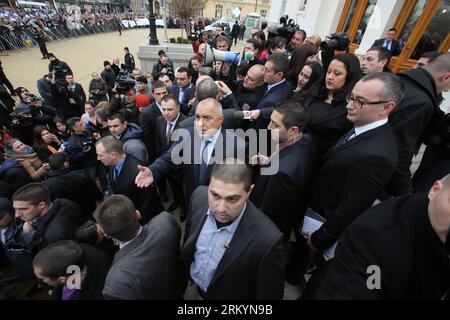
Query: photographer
[(70, 96), (163, 67), (124, 100), (23, 122), (80, 148), (60, 68)]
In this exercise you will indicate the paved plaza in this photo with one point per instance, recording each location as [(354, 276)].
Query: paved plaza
[(84, 55)]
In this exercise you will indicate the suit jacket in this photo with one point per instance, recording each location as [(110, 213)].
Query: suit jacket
[(188, 96), (163, 166), (395, 47), (161, 126), (148, 267), (145, 200), (148, 118), (75, 186), (253, 266), (282, 196), (409, 121), (350, 179), (396, 236), (270, 99)]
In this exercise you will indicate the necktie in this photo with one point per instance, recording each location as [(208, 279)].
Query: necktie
[(169, 132), (204, 162), (116, 174), (344, 139), (181, 97)]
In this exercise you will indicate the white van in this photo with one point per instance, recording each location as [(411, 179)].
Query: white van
[(32, 5), (226, 24)]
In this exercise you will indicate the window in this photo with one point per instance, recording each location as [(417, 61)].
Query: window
[(351, 13), (370, 7), (412, 20), (435, 33), (219, 9), (263, 13)]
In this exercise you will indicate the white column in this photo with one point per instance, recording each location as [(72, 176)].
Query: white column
[(383, 18), (275, 11)]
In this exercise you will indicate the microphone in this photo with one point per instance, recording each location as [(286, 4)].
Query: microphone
[(242, 115)]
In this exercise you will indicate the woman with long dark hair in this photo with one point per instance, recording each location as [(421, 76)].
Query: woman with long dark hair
[(45, 143), (298, 60), (326, 101), (310, 74)]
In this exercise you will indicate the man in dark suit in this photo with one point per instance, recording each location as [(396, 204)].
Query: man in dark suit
[(196, 150), (123, 169), (45, 91), (417, 115), (281, 196), (358, 167), (147, 266), (148, 119), (393, 251), (53, 266), (165, 125), (70, 97), (232, 250), (277, 89), (62, 182), (184, 90), (389, 42)]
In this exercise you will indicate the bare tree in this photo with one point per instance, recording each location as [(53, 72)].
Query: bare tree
[(185, 9)]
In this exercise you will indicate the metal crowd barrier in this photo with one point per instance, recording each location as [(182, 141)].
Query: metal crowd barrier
[(21, 39)]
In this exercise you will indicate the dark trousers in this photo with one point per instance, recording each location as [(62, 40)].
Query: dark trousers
[(43, 49)]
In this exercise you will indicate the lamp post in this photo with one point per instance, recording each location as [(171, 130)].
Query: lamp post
[(153, 37)]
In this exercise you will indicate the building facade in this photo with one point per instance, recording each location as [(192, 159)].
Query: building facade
[(221, 9), (422, 25)]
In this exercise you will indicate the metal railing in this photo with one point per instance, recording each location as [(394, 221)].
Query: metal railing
[(22, 39)]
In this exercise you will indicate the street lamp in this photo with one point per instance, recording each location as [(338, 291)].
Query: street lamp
[(153, 37)]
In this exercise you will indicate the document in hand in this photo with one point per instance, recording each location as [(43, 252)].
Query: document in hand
[(312, 222)]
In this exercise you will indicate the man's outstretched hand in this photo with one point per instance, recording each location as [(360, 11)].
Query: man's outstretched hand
[(144, 177)]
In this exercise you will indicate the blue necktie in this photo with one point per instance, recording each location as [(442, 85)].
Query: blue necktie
[(344, 139), (116, 174), (204, 162)]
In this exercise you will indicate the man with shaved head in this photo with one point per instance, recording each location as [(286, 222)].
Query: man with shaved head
[(205, 143), (247, 92), (392, 251)]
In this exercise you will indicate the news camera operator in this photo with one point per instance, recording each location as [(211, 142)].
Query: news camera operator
[(336, 41), (24, 120), (69, 95), (80, 148), (124, 98)]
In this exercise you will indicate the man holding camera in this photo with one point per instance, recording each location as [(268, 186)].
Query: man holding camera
[(80, 148), (70, 96), (163, 67)]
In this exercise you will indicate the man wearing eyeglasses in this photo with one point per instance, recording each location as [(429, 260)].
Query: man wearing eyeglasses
[(358, 167)]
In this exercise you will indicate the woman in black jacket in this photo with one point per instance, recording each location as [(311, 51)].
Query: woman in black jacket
[(326, 101)]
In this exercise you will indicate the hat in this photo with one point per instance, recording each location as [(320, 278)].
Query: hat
[(142, 79), (5, 207), (106, 63), (142, 100)]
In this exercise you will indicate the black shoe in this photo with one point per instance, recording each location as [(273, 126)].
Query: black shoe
[(43, 58), (182, 215), (173, 206)]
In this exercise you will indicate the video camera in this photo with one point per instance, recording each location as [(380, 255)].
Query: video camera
[(23, 119), (124, 82), (337, 41), (33, 97), (59, 72)]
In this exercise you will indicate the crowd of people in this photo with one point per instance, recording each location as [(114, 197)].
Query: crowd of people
[(91, 177)]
